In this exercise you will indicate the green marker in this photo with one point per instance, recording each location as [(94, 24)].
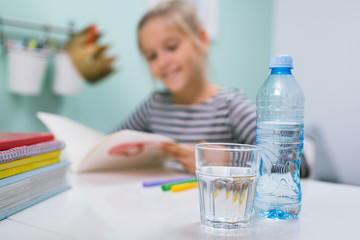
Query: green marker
[(167, 187)]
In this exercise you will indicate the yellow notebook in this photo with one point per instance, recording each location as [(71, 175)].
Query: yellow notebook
[(28, 160), (27, 167)]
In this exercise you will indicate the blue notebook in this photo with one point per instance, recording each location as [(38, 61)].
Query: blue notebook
[(26, 189)]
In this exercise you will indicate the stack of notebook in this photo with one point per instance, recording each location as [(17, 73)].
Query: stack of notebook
[(30, 170)]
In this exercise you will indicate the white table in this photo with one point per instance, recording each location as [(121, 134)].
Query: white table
[(114, 205)]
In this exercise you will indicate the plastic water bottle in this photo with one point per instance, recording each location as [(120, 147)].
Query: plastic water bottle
[(280, 134)]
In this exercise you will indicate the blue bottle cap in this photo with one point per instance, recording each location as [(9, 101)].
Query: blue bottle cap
[(281, 61)]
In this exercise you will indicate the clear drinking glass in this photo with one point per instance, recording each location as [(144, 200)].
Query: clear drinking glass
[(227, 175)]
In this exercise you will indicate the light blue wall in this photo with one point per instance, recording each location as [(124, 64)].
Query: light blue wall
[(239, 58)]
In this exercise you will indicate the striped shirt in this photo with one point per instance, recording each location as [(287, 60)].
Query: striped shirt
[(227, 117)]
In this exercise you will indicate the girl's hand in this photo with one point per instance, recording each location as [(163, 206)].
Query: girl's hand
[(184, 154)]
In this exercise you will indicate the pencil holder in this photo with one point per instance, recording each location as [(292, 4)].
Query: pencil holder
[(26, 70), (67, 80)]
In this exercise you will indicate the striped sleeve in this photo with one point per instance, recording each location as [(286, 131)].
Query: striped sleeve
[(139, 120), (242, 119)]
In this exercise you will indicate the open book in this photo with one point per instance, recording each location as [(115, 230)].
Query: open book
[(91, 150)]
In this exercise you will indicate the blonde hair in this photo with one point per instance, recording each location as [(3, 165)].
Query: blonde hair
[(179, 15)]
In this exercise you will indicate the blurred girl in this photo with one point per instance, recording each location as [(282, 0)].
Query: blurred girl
[(191, 109)]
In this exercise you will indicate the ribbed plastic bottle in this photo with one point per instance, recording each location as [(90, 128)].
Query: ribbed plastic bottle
[(280, 134)]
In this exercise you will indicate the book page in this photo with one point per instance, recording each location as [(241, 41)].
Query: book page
[(126, 148), (90, 150), (79, 139)]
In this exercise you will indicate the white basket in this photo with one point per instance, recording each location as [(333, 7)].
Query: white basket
[(26, 71), (67, 80)]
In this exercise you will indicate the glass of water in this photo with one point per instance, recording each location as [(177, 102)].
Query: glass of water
[(227, 174)]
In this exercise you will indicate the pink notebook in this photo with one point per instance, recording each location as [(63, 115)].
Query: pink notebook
[(17, 139)]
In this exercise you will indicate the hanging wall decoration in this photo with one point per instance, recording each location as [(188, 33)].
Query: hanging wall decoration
[(89, 56), (81, 58)]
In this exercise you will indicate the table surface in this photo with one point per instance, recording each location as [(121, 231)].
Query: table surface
[(114, 205)]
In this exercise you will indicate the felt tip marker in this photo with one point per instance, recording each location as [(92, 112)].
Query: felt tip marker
[(167, 187), (159, 182), (183, 186)]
